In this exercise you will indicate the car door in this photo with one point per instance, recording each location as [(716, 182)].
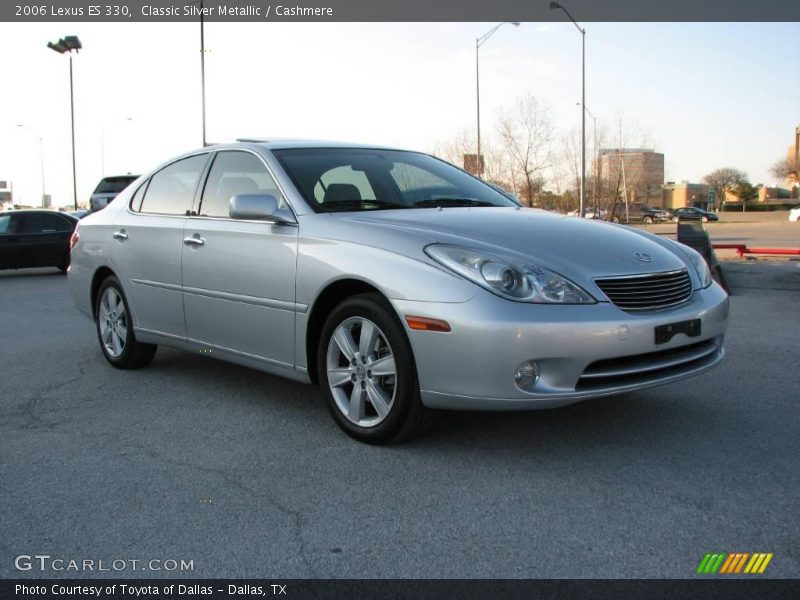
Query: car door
[(9, 241), (239, 275), (43, 239), (148, 241)]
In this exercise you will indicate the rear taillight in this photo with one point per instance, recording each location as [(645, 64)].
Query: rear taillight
[(73, 241)]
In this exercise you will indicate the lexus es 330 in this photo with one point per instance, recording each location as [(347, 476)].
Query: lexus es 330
[(393, 280)]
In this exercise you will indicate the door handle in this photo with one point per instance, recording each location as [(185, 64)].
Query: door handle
[(120, 235), (194, 241)]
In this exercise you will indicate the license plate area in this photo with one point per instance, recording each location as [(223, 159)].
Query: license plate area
[(665, 333)]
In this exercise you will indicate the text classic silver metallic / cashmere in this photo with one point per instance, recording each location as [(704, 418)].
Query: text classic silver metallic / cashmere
[(392, 279)]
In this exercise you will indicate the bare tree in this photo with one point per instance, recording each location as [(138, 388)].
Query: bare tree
[(723, 180), (786, 169), (526, 133), (453, 151)]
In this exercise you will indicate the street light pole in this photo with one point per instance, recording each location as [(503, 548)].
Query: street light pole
[(596, 158), (41, 156), (553, 6), (67, 45), (478, 43)]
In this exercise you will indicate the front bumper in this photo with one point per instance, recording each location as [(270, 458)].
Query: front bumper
[(472, 367)]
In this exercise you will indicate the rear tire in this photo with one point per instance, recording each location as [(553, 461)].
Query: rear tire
[(648, 220), (115, 329), (367, 373)]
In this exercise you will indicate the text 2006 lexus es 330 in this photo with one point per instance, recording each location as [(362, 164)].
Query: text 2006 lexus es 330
[(394, 280)]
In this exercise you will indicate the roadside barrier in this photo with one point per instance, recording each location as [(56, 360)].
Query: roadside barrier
[(742, 249)]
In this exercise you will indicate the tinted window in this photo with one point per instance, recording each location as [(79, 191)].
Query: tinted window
[(114, 185), (364, 179), (171, 190), (43, 223), (234, 173), (5, 224)]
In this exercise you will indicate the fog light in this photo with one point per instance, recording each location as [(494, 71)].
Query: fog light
[(526, 374)]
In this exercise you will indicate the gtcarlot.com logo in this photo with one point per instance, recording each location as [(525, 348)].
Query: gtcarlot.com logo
[(734, 563), (45, 562)]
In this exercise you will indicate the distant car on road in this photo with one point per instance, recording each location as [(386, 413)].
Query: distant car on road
[(35, 238), (794, 215), (696, 214), (108, 189), (79, 213), (639, 212)]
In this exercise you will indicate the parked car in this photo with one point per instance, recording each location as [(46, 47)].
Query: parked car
[(641, 213), (79, 213), (695, 214), (35, 238), (591, 213), (108, 189), (794, 215), (392, 279)]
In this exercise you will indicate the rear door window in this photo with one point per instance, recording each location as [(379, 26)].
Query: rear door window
[(172, 189), (44, 223)]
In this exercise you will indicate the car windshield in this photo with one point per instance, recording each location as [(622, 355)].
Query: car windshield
[(114, 185), (357, 179)]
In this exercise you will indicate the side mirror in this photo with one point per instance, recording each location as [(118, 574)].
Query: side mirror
[(253, 206)]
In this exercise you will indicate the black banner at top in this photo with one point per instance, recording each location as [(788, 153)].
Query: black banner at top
[(396, 10)]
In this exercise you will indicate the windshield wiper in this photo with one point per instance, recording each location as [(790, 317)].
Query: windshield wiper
[(358, 204), (448, 202)]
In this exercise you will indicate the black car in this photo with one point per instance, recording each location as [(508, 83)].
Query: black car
[(639, 212), (35, 238), (695, 214)]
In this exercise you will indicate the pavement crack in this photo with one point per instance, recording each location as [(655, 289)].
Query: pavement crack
[(225, 474)]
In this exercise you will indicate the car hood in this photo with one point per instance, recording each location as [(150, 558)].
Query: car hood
[(579, 248)]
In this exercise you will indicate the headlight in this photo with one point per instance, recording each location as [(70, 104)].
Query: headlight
[(701, 266), (698, 262), (523, 282)]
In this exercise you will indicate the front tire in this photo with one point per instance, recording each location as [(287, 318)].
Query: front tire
[(367, 374), (115, 329)]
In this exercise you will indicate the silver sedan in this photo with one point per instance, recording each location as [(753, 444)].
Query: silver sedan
[(393, 280)]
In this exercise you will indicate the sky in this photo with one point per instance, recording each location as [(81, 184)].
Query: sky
[(707, 95)]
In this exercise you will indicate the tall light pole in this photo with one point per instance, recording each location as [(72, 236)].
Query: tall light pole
[(41, 156), (67, 45), (478, 43), (596, 158), (553, 6)]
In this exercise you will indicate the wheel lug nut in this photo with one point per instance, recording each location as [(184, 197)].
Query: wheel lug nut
[(353, 377)]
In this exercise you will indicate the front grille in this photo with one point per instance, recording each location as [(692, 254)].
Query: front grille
[(648, 292), (643, 368)]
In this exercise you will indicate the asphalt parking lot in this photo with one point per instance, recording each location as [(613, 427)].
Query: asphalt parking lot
[(245, 474)]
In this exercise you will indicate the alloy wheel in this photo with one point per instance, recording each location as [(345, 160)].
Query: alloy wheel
[(113, 320), (362, 374)]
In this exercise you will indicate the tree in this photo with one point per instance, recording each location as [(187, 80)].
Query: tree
[(745, 191), (526, 133), (723, 180), (786, 169)]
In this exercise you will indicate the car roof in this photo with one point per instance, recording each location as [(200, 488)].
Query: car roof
[(289, 143), (31, 211)]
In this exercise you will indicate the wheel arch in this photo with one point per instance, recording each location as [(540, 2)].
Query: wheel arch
[(327, 300), (100, 275)]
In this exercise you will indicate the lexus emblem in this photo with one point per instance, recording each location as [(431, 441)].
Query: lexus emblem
[(641, 256)]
